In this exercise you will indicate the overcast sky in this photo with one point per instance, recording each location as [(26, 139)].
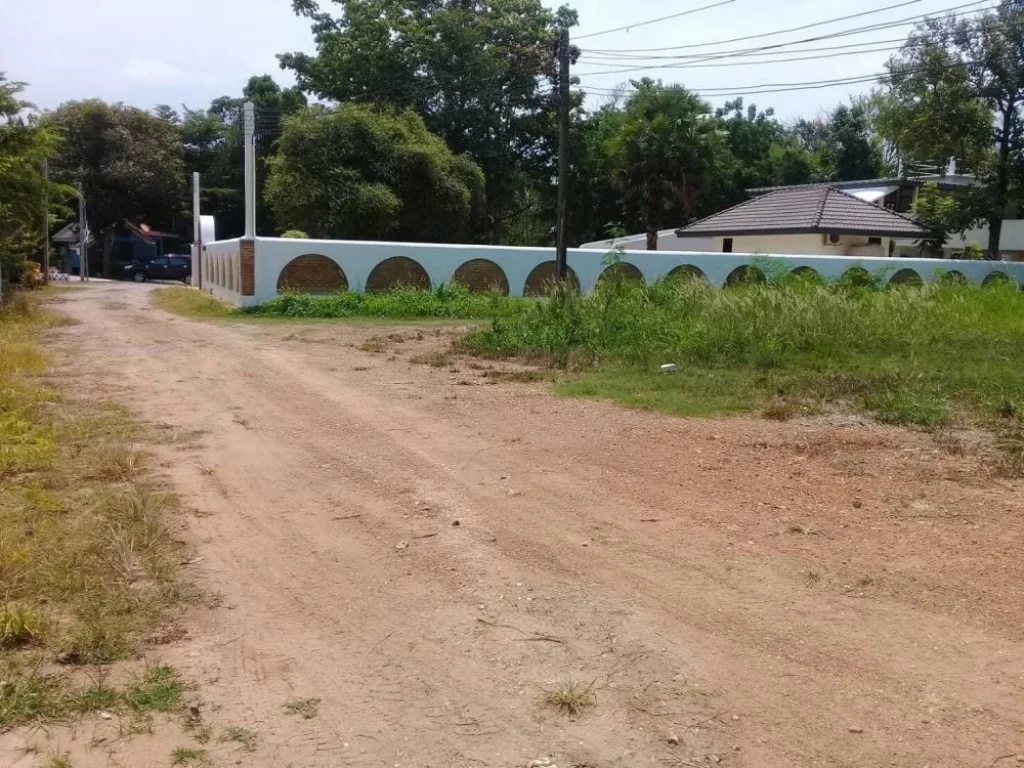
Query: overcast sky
[(146, 53)]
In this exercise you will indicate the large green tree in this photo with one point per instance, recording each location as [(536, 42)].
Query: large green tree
[(127, 161), (666, 153), (993, 48), (28, 202), (475, 70), (368, 173), (930, 112)]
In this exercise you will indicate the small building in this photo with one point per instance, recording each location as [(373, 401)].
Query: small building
[(899, 194), (807, 220), (667, 241)]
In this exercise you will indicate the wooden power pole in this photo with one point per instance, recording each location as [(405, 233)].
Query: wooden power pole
[(561, 252)]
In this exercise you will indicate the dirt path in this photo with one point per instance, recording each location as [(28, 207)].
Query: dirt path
[(423, 549)]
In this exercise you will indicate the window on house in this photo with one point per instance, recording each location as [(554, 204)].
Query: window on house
[(727, 245), (874, 241)]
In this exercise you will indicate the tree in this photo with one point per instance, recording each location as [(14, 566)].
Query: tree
[(128, 162), (763, 152), (940, 214), (665, 153), (993, 49), (473, 69), (843, 146), (366, 173), (930, 113), (213, 147), (24, 190)]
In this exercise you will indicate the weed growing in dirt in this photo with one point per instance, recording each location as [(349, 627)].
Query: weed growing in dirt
[(61, 761), (307, 709), (244, 736), (190, 757), (158, 690), (570, 697)]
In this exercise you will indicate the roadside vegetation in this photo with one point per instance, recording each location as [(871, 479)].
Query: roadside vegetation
[(928, 356), (88, 568), (445, 302)]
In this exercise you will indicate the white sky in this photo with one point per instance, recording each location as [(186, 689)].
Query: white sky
[(144, 53)]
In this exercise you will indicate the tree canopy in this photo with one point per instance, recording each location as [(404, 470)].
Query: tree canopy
[(363, 172), (127, 161)]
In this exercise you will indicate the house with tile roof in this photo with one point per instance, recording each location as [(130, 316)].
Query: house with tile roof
[(809, 220)]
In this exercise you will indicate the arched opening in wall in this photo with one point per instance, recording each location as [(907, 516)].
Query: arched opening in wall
[(481, 275), (996, 278), (953, 277), (236, 279), (745, 275), (906, 277), (397, 271), (856, 277), (686, 273), (807, 276), (216, 270), (312, 273), (542, 279), (623, 271)]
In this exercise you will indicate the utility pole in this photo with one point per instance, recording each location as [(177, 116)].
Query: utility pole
[(249, 132), (83, 239), (197, 235), (561, 252), (46, 222)]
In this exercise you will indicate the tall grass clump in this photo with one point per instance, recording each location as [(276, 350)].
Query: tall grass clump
[(446, 301), (913, 355)]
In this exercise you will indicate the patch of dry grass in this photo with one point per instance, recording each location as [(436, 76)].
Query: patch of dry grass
[(570, 697), (88, 566)]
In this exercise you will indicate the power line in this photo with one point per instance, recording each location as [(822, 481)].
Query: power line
[(761, 88), (882, 25), (666, 18), (741, 63), (608, 58)]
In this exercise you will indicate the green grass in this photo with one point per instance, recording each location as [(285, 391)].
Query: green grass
[(922, 356), (88, 566), (191, 302), (444, 302)]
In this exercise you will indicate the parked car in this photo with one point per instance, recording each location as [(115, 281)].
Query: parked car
[(173, 267)]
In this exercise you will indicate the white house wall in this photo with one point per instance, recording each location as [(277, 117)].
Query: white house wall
[(357, 259)]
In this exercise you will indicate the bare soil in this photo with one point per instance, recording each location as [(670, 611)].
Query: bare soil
[(427, 549)]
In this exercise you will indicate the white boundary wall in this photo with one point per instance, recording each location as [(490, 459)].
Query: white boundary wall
[(221, 272), (222, 269)]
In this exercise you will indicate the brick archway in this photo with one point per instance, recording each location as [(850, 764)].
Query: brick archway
[(906, 277), (481, 275), (686, 272), (312, 273), (542, 278), (745, 275), (397, 271), (622, 270)]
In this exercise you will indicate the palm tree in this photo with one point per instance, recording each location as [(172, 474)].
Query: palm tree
[(665, 152)]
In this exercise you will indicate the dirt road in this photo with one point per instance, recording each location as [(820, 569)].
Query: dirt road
[(425, 549)]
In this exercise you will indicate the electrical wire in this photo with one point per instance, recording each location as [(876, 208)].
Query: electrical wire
[(757, 89), (857, 30), (666, 18)]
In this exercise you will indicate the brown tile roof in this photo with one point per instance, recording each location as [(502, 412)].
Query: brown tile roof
[(804, 210)]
